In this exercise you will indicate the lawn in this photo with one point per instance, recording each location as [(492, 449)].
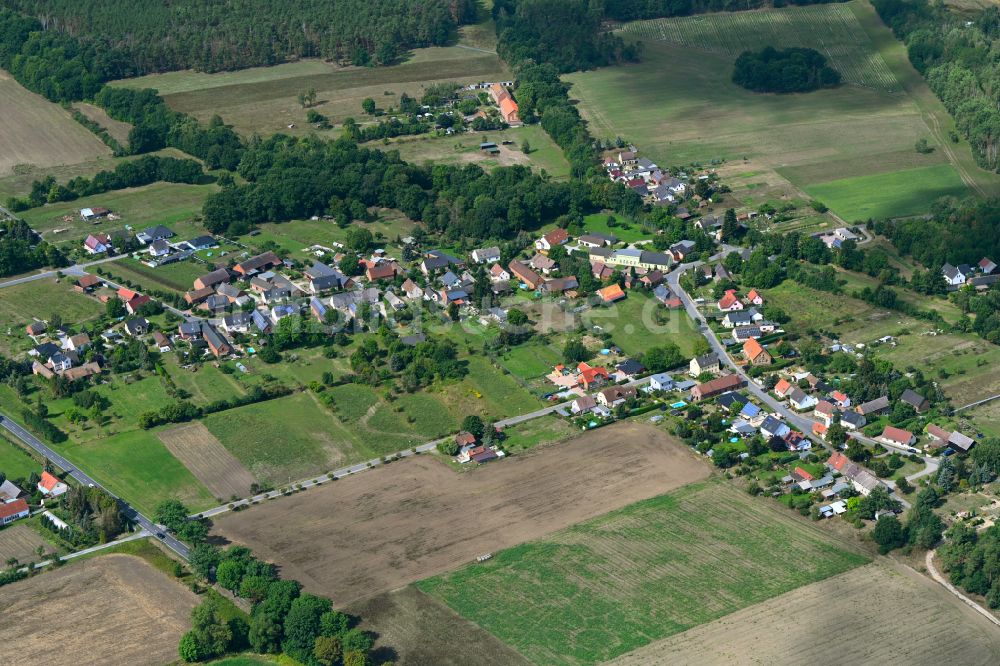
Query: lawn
[(678, 105), (598, 223), (264, 99), (205, 383), (298, 235), (136, 466), (543, 430), (37, 132), (173, 204), (895, 194), (634, 327), (178, 277), (14, 462), (531, 360), (42, 299), (653, 569)]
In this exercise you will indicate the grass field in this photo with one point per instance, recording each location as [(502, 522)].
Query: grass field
[(598, 223), (173, 204), (14, 462), (633, 327), (37, 132), (137, 466), (895, 194), (198, 450), (43, 298), (402, 522), (177, 277), (604, 587), (143, 613), (264, 99), (544, 430), (297, 235), (678, 105), (936, 627)]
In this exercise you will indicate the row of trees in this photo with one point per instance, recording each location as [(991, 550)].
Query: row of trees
[(955, 58), (129, 39), (21, 250)]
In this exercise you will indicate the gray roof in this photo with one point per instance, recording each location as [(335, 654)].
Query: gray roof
[(875, 405), (707, 359), (657, 258), (912, 398)]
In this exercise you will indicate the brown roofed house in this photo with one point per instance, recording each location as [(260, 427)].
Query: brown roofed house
[(716, 387), (261, 262), (218, 276)]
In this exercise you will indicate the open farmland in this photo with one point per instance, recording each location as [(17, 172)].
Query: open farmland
[(607, 586), (116, 128), (208, 460), (265, 99), (679, 106), (864, 627), (422, 630), (830, 29), (21, 543), (111, 610), (415, 518), (37, 132)]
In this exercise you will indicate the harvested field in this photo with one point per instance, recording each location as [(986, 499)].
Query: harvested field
[(396, 524), (117, 129), (419, 629), (910, 620), (20, 542), (35, 131), (208, 460), (113, 609), (609, 585)]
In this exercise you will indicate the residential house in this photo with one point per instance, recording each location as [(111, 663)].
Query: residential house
[(323, 278), (97, 244), (956, 276), (801, 400), (897, 436), (706, 363), (755, 354), (238, 322), (615, 395), (318, 309), (915, 400), (754, 297), (189, 330), (582, 405), (730, 302), (542, 264), (498, 273), (783, 388), (938, 434), (232, 294), (527, 276), (825, 412), (76, 342), (564, 285), (261, 322), (9, 492), (589, 376), (11, 511), (198, 295), (682, 249), (597, 240), (840, 399), (159, 248), (611, 293), (200, 243), (257, 264), (731, 401), (651, 279), (136, 327), (150, 234), (734, 318), (50, 485), (862, 480), (486, 255), (436, 260), (716, 387), (663, 294), (216, 303), (133, 304), (661, 382), (986, 266), (721, 274), (630, 258), (412, 290), (630, 368), (744, 333), (87, 283), (852, 420), (557, 236), (394, 301), (213, 278), (216, 343), (873, 407), (161, 341), (385, 270), (772, 427)]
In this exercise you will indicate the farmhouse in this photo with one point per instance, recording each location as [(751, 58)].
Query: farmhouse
[(716, 387), (873, 407), (508, 107), (254, 265), (210, 280), (529, 277), (8, 492), (897, 436), (51, 486), (915, 400), (12, 511), (216, 343), (615, 395)]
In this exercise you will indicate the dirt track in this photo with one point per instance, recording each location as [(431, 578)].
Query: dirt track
[(111, 610), (415, 518)]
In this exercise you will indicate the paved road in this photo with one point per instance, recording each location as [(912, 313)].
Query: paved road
[(76, 270), (130, 512)]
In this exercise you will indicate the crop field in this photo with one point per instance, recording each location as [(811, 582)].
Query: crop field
[(832, 30), (678, 105), (173, 204), (415, 518), (198, 450), (137, 466), (422, 630), (116, 128), (21, 543), (113, 610), (464, 149), (609, 585), (895, 194), (935, 628), (265, 99), (37, 132)]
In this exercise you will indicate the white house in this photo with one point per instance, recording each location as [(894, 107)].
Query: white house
[(13, 511), (661, 382), (486, 255), (50, 486), (801, 400), (956, 275), (583, 404), (159, 248)]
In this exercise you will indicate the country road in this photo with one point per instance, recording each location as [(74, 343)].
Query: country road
[(76, 270), (141, 534), (83, 479)]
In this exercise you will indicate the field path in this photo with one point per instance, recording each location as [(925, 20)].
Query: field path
[(936, 575)]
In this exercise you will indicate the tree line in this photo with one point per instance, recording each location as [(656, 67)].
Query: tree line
[(130, 39), (788, 70), (954, 54), (21, 250), (631, 10)]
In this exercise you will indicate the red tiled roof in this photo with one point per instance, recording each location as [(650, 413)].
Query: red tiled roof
[(752, 349), (13, 508), (557, 236), (48, 481), (824, 407), (782, 386), (896, 434), (728, 300), (804, 474), (611, 293)]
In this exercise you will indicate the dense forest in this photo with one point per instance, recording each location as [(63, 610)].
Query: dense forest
[(961, 62), (141, 37), (789, 70), (21, 250), (630, 10), (956, 232)]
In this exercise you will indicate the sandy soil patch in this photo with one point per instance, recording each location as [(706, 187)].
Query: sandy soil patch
[(396, 524), (208, 460), (111, 610)]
